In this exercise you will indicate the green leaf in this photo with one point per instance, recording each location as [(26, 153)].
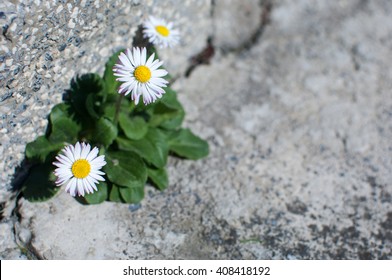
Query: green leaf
[(168, 113), (153, 147), (105, 132), (125, 169), (98, 196), (63, 127), (132, 195), (39, 184), (41, 147), (134, 127), (109, 111), (81, 87), (170, 99), (108, 108), (115, 194), (152, 50), (185, 144), (111, 85), (59, 111), (158, 177), (90, 105), (64, 130)]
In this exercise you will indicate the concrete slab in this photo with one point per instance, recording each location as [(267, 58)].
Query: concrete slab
[(299, 124)]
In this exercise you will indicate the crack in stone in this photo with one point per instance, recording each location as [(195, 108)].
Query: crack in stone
[(354, 57), (203, 57), (212, 10), (266, 8), (208, 52), (26, 249)]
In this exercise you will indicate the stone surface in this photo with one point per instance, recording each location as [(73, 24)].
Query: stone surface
[(299, 122), (235, 22)]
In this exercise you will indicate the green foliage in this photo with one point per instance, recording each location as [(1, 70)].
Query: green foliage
[(136, 140), (185, 144), (168, 113), (158, 177), (134, 127), (111, 84), (64, 127), (40, 148), (81, 88), (153, 148), (39, 183), (98, 196), (125, 169), (105, 132)]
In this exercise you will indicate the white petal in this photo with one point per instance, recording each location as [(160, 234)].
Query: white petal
[(69, 152), (156, 64), (125, 79), (71, 187), (61, 165), (130, 57), (128, 86), (120, 70), (125, 60), (147, 98), (150, 60), (85, 151), (98, 172), (90, 184), (159, 82), (143, 57), (96, 176), (136, 56), (79, 185), (159, 73), (155, 88), (86, 186), (99, 161), (64, 159), (93, 154), (64, 174), (78, 149), (135, 97)]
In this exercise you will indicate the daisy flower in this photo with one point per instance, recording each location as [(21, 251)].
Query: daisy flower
[(160, 33), (140, 76), (78, 168)]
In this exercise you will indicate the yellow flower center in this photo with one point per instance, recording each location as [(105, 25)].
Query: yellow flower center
[(142, 74), (162, 30), (81, 168)]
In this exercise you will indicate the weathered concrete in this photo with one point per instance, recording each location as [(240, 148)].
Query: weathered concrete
[(299, 120)]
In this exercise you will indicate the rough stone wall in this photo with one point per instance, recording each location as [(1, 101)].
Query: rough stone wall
[(44, 44)]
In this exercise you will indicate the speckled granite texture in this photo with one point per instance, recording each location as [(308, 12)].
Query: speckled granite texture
[(295, 104)]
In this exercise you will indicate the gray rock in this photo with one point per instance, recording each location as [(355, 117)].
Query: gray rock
[(299, 127), (235, 22)]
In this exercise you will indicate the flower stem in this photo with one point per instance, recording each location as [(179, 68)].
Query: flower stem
[(118, 107)]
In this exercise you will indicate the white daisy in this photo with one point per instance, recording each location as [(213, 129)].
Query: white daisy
[(140, 76), (160, 33), (78, 168)]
